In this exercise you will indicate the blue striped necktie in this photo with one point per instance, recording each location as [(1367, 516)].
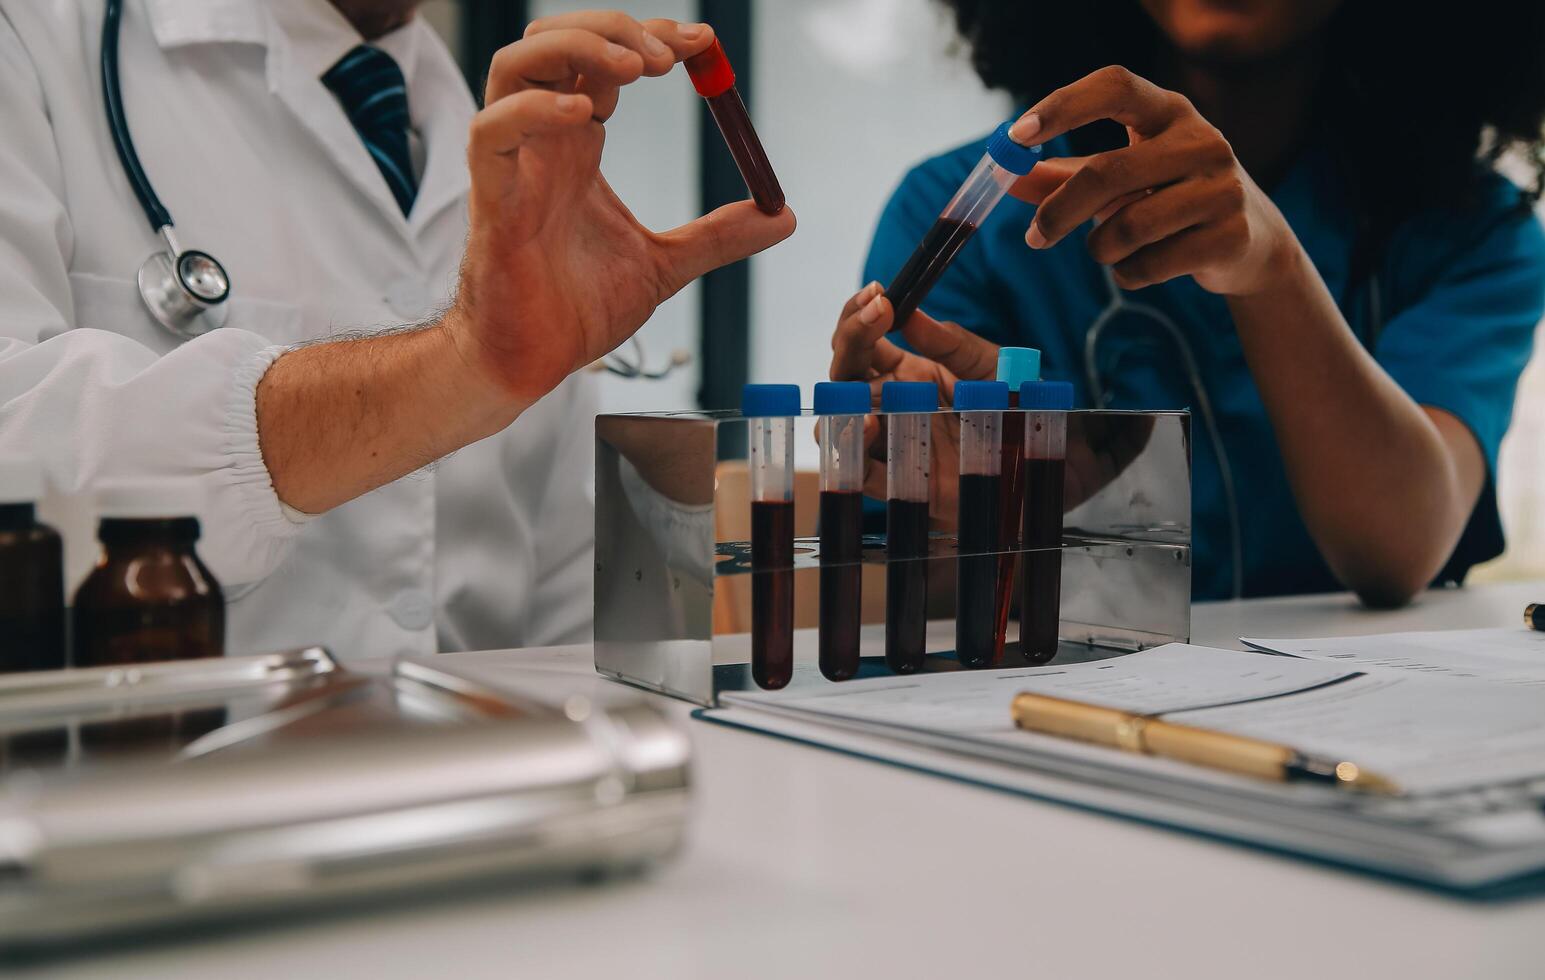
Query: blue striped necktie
[(373, 93)]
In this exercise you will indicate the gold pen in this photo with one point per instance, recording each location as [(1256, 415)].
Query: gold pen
[(1217, 750)]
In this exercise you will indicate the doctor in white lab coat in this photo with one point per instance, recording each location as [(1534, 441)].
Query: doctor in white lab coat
[(323, 519)]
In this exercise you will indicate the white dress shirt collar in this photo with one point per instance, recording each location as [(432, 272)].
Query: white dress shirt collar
[(315, 33)]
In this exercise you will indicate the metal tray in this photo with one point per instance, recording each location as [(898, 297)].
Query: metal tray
[(333, 787)]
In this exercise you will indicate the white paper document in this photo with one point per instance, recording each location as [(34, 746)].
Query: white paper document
[(1497, 656), (1469, 755), (1427, 735), (1167, 678)]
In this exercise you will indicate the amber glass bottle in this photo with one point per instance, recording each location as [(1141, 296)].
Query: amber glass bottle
[(149, 598), (31, 574)]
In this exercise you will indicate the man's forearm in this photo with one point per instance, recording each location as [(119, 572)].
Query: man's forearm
[(338, 419), (1383, 488)]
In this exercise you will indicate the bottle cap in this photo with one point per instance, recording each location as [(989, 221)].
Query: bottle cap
[(1054, 396), (1016, 365), (909, 396), (841, 398), (149, 498), (981, 396), (710, 71), (1014, 157), (21, 479), (763, 401)]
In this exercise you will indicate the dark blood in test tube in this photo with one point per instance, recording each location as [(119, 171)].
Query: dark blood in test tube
[(714, 79), (1041, 604), (735, 123), (842, 516), (772, 592), (977, 582), (933, 255), (1011, 502), (906, 585)]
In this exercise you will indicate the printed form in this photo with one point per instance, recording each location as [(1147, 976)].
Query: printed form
[(1498, 656), (1429, 735)]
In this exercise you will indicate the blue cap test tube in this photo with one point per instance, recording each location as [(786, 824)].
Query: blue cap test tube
[(908, 406), (841, 407), (1004, 162), (981, 405), (771, 410), (1046, 405)]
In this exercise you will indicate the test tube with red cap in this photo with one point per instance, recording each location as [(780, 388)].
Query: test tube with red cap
[(1004, 162), (714, 80)]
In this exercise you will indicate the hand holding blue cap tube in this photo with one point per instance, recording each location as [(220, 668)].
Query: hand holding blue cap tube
[(1004, 162)]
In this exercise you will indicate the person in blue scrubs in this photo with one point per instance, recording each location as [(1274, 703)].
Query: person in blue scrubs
[(1280, 214)]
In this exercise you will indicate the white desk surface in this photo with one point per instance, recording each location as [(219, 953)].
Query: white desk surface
[(804, 863)]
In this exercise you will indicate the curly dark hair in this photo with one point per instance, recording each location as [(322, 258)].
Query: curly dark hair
[(1414, 102)]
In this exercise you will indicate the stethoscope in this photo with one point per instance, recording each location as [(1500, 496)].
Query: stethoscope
[(638, 369), (183, 289), (1117, 303)]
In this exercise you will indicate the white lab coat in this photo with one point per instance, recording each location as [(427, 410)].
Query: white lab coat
[(260, 167)]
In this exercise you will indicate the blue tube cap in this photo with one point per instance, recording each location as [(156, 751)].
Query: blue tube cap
[(1014, 157), (1053, 396), (841, 398), (981, 396), (1016, 365), (760, 401), (909, 396)]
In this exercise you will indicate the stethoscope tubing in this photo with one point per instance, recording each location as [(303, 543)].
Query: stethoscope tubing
[(1117, 303), (118, 124)]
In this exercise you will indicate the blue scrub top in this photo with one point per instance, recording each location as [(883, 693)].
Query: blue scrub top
[(1458, 295)]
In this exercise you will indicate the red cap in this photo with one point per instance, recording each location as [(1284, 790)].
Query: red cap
[(711, 72)]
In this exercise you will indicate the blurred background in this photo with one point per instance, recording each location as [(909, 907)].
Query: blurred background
[(847, 95)]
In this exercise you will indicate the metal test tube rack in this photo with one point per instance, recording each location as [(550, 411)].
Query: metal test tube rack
[(673, 574)]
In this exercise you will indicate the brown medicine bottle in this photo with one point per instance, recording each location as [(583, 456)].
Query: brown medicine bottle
[(149, 598), (31, 574)]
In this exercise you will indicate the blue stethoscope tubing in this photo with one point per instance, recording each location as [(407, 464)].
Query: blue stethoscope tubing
[(184, 290)]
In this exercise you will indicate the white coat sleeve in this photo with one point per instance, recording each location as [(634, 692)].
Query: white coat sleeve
[(93, 404)]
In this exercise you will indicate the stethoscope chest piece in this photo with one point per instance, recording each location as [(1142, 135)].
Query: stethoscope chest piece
[(185, 292)]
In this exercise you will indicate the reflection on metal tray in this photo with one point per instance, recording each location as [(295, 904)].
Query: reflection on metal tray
[(50, 690), (305, 783), (102, 715)]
